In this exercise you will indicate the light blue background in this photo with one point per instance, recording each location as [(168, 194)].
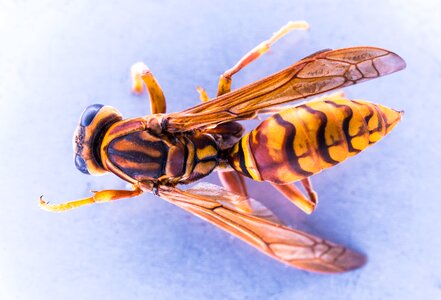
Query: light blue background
[(57, 57)]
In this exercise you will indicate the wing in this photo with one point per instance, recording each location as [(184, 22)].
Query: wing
[(318, 73), (258, 228)]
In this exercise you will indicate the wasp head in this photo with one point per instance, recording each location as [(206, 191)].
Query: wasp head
[(94, 122)]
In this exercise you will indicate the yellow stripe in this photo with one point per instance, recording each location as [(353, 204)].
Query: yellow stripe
[(303, 145), (205, 152), (249, 158), (334, 133)]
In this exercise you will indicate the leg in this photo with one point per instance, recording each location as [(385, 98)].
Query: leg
[(230, 179), (98, 197), (225, 79), (233, 182), (140, 73), (202, 94), (290, 191), (306, 182)]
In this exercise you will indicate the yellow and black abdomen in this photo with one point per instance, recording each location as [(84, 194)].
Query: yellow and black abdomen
[(301, 141)]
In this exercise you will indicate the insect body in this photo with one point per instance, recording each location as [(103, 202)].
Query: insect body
[(156, 153)]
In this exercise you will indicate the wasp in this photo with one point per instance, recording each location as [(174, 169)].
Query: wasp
[(158, 152)]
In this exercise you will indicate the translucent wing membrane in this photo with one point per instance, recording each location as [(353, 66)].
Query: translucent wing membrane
[(316, 74), (260, 228)]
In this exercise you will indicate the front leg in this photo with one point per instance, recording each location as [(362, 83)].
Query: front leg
[(141, 73), (98, 197)]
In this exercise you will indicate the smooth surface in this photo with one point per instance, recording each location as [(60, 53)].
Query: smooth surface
[(57, 57)]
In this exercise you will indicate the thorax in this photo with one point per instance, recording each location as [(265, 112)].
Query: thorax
[(134, 152)]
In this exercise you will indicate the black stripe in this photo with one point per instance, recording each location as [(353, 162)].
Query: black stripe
[(288, 146), (139, 156), (184, 141), (369, 116), (143, 173), (136, 156), (322, 147), (194, 161), (137, 172), (345, 125), (380, 119), (137, 139), (242, 164)]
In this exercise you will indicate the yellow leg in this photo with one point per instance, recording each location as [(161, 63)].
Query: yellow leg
[(306, 182), (140, 74), (290, 191), (230, 179), (259, 50), (98, 197), (202, 94), (233, 182)]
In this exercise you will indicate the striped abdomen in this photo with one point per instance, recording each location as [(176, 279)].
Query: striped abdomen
[(301, 141)]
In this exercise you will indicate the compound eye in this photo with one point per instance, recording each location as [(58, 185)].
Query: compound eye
[(81, 164), (89, 114)]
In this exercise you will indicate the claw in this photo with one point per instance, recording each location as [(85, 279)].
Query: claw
[(137, 71), (45, 205)]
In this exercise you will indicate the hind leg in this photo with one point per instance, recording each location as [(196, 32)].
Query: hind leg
[(225, 80), (290, 191), (256, 52), (232, 180)]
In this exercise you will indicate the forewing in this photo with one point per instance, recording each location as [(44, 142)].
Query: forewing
[(296, 248), (316, 74), (239, 203)]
